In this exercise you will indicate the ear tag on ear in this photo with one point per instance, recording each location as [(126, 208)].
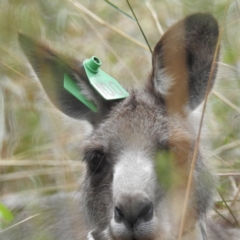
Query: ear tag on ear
[(104, 84), (72, 87)]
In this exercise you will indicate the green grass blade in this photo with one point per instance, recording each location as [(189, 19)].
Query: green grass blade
[(139, 25), (218, 213), (121, 11), (5, 214), (230, 210)]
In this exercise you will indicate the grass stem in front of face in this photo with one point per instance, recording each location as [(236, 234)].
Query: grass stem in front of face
[(195, 153)]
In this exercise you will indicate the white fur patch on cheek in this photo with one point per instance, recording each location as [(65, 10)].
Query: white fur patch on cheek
[(162, 81), (89, 236), (118, 171)]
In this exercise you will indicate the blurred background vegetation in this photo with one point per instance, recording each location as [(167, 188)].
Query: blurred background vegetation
[(39, 146)]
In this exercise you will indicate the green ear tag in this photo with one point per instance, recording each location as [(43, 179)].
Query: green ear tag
[(72, 87), (104, 84)]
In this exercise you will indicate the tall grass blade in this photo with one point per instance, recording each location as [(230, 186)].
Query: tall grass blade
[(139, 25), (120, 10), (230, 210), (194, 158)]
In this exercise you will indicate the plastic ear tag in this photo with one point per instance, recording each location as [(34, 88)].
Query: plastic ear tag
[(72, 87), (104, 84)]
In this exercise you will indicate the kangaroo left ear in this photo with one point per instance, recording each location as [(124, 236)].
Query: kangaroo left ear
[(182, 61), (51, 69)]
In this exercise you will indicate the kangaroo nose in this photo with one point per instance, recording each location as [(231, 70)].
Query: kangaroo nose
[(132, 210)]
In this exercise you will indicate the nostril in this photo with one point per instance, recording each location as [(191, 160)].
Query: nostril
[(118, 215), (133, 212), (146, 213)]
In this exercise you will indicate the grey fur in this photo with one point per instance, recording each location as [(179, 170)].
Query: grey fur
[(123, 194)]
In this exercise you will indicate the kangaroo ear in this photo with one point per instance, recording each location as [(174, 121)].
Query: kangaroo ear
[(182, 62), (51, 68)]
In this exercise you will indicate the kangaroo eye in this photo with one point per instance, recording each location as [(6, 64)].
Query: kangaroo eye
[(96, 161)]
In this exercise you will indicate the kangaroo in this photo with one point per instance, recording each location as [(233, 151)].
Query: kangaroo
[(138, 156)]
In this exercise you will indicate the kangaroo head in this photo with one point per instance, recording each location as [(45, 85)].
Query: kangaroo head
[(139, 154)]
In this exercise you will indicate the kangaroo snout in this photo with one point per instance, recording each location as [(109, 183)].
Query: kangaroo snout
[(133, 210)]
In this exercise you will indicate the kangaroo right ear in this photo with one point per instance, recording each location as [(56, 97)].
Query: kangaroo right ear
[(182, 62), (51, 68)]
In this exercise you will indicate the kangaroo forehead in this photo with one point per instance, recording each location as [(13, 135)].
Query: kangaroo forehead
[(137, 120)]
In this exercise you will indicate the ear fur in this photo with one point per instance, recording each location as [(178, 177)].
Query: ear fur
[(182, 61), (50, 69)]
